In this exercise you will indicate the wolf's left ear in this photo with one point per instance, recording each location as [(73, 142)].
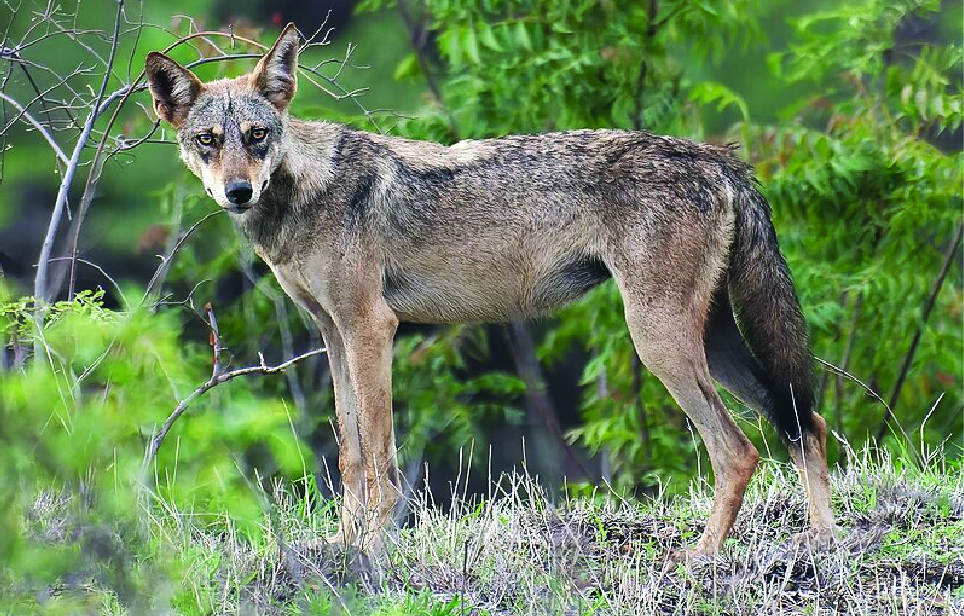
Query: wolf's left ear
[(274, 76)]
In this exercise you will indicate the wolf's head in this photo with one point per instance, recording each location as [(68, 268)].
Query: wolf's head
[(230, 131)]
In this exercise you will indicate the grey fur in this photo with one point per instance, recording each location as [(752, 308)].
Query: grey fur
[(364, 230)]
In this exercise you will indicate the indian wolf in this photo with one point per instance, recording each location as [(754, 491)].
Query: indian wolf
[(366, 230)]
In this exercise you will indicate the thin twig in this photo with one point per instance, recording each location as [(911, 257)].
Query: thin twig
[(165, 260), (215, 340), (103, 273), (33, 122), (848, 349), (928, 307), (841, 372), (94, 172), (287, 340), (870, 390), (214, 381)]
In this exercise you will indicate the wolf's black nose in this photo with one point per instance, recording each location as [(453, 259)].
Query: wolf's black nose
[(238, 193)]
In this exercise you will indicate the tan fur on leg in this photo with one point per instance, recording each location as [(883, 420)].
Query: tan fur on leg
[(368, 337), (810, 458)]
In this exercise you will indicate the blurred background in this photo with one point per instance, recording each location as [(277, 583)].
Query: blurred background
[(850, 111)]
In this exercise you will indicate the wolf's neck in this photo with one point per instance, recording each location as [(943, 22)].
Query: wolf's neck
[(308, 153), (299, 183)]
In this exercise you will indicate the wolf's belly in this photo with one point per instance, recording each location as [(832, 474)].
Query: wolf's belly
[(489, 292)]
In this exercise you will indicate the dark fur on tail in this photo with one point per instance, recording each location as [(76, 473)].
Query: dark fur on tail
[(768, 312)]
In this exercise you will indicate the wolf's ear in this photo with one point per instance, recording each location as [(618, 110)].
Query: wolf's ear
[(173, 87), (274, 76)]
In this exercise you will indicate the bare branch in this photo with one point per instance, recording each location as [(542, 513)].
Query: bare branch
[(166, 260), (928, 306), (213, 382), (33, 122), (94, 173), (40, 290)]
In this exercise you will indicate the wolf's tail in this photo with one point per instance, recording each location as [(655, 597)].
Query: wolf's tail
[(769, 314)]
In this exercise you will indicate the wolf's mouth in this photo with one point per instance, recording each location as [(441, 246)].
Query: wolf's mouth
[(239, 209)]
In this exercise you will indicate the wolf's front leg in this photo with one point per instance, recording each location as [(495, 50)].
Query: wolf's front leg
[(367, 333), (347, 410)]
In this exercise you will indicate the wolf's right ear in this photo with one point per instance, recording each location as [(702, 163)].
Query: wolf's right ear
[(173, 87)]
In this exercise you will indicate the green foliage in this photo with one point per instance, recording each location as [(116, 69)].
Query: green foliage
[(438, 407), (78, 418), (866, 197), (544, 65), (868, 206), (852, 175)]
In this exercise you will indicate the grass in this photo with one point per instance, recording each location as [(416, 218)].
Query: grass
[(901, 551)]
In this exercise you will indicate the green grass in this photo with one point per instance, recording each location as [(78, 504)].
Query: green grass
[(900, 551)]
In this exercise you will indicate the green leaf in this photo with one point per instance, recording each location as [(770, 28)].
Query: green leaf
[(487, 37), (470, 43), (407, 68), (522, 36)]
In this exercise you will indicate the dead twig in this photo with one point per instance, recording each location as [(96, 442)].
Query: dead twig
[(166, 260), (215, 340), (213, 382), (928, 307), (24, 114)]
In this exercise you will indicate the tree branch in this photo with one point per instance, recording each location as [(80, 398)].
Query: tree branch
[(94, 172), (40, 290), (527, 367), (213, 382), (928, 306), (33, 122), (165, 261), (418, 46)]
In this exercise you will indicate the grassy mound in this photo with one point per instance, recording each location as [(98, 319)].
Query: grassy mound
[(900, 551)]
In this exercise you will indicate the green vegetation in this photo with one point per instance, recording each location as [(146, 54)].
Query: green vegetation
[(851, 113), (901, 551)]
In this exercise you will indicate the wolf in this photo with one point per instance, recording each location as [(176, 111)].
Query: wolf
[(365, 230)]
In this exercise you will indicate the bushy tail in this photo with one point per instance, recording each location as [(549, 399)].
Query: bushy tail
[(769, 315)]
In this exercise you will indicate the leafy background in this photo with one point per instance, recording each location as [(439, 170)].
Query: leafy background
[(851, 113)]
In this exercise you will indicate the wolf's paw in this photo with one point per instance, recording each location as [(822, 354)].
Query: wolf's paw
[(689, 556), (321, 543), (817, 538)]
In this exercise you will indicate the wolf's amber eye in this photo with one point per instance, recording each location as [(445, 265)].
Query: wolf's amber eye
[(205, 139), (257, 134)]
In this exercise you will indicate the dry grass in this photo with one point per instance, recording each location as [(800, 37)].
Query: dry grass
[(901, 551)]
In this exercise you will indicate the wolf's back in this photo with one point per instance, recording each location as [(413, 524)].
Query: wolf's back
[(769, 314)]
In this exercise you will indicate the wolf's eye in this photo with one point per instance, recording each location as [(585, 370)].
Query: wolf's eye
[(257, 134), (204, 139)]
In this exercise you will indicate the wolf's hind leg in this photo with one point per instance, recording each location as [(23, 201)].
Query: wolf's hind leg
[(734, 367), (730, 360), (669, 341), (809, 454)]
